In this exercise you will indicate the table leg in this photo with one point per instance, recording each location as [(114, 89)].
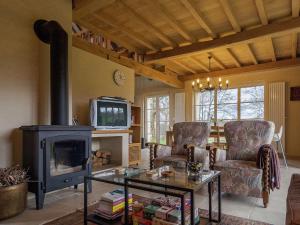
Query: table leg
[(219, 199), (126, 202), (192, 208), (85, 201), (209, 202), (182, 210)]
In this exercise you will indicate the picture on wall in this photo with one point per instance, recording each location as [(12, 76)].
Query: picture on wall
[(295, 94)]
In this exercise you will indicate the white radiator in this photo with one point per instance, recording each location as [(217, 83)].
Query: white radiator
[(277, 106)]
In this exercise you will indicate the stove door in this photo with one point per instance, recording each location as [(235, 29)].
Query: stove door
[(66, 160)]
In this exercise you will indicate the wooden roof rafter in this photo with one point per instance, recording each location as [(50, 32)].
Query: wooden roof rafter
[(184, 66), (231, 17), (261, 12), (233, 57), (250, 52), (271, 48), (191, 7)]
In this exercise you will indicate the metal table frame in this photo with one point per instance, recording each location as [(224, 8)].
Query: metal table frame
[(167, 190)]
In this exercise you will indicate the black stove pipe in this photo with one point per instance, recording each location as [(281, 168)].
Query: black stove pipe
[(52, 33)]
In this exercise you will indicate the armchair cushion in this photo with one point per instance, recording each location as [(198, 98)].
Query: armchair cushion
[(240, 177), (178, 161)]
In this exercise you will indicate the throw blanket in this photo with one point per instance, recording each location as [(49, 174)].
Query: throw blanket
[(274, 166)]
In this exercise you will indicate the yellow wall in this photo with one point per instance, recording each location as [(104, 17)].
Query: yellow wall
[(92, 76), (289, 75), (20, 67)]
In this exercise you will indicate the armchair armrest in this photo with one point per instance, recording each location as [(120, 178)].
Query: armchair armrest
[(158, 151), (215, 155)]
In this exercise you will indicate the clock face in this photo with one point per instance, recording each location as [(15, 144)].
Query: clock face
[(119, 78)]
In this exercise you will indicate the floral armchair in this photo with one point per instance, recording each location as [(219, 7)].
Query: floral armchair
[(190, 139), (239, 172)]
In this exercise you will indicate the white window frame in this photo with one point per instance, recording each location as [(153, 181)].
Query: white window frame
[(157, 108), (238, 102)]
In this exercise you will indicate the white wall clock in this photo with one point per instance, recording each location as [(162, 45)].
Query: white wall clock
[(119, 77)]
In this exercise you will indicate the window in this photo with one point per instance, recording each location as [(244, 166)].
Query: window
[(157, 118), (230, 104)]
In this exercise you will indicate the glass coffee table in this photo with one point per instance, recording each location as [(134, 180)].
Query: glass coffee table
[(179, 184)]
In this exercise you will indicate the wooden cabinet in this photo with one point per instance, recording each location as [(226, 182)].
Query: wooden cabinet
[(135, 136)]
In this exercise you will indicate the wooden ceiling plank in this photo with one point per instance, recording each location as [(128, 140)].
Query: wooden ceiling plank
[(261, 12), (233, 57), (90, 7), (172, 21), (130, 33), (294, 45), (198, 63), (232, 19), (191, 7), (183, 66), (295, 8), (244, 37), (138, 67), (166, 40), (272, 49), (217, 61), (245, 69), (251, 53), (96, 30)]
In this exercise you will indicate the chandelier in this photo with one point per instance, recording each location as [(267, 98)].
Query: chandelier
[(209, 84)]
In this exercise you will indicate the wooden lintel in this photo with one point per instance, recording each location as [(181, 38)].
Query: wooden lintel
[(245, 69), (138, 67), (245, 37)]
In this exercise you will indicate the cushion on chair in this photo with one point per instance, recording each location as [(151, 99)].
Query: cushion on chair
[(177, 161), (195, 133), (240, 177), (244, 138)]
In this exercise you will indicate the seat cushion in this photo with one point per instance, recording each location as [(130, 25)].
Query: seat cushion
[(240, 177), (177, 161)]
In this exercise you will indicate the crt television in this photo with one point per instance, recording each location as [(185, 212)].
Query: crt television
[(110, 113)]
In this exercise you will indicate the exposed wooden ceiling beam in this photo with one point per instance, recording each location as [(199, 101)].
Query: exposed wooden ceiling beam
[(89, 7), (166, 40), (183, 66), (191, 7), (98, 31), (228, 11), (261, 12), (294, 45), (138, 67), (272, 49), (198, 63), (245, 37), (251, 53), (130, 33), (233, 57), (295, 8), (217, 61), (245, 69), (170, 19)]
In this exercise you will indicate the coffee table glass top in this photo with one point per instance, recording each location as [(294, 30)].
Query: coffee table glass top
[(178, 178)]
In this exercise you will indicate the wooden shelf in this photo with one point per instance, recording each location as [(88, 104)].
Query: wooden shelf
[(110, 131)]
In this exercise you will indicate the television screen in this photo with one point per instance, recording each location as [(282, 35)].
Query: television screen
[(111, 113)]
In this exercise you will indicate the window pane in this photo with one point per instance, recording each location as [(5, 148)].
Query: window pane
[(151, 103), (252, 94), (227, 96), (204, 113), (163, 102), (162, 139), (151, 115), (252, 110), (205, 98), (227, 112), (163, 127), (151, 132), (164, 115)]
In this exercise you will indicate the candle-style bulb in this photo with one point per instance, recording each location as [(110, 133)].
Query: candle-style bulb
[(201, 85), (198, 81), (227, 81), (220, 79), (208, 79), (210, 86), (193, 83)]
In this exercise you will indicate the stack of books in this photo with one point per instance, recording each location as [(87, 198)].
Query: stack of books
[(112, 204)]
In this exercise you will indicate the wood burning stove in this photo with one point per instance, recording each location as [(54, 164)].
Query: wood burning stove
[(56, 155)]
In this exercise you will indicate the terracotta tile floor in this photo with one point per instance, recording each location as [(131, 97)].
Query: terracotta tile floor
[(65, 201)]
